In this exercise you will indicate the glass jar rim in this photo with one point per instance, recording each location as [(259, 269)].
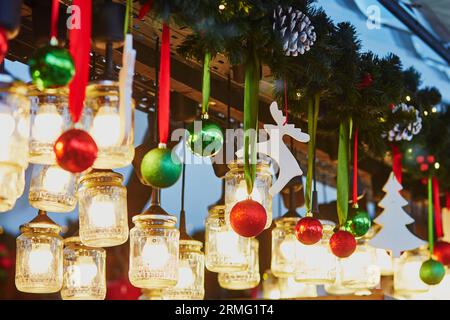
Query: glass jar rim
[(101, 173), (93, 86), (145, 217), (239, 163), (34, 91), (217, 211), (195, 243), (39, 228)]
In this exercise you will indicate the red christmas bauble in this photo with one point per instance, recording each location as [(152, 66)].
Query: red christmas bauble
[(248, 218), (342, 244), (431, 159), (442, 252), (3, 45), (308, 230), (75, 150), (122, 290)]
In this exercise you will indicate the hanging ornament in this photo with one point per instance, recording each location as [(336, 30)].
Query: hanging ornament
[(308, 230), (432, 272), (342, 244), (248, 218), (366, 81), (295, 30), (75, 150), (406, 132), (52, 66), (394, 235), (161, 168), (359, 223), (442, 252), (3, 45), (206, 139)]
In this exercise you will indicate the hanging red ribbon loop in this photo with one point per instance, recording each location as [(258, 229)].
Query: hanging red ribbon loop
[(54, 20), (437, 209), (355, 167), (144, 9), (397, 162), (80, 46), (164, 86)]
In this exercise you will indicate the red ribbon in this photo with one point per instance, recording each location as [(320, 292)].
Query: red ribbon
[(437, 209), (447, 200), (355, 167), (144, 9), (54, 19), (397, 162), (80, 46), (164, 86)]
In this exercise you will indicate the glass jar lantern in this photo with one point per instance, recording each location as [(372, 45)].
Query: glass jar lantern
[(407, 280), (14, 133), (191, 273), (84, 271), (52, 189), (39, 256), (291, 289), (112, 126), (247, 279), (270, 286), (102, 209), (385, 262), (154, 249), (315, 263), (337, 288), (236, 188), (50, 117), (225, 250), (360, 270), (284, 247)]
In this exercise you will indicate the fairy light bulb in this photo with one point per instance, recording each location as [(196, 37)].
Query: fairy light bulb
[(106, 127), (56, 179), (288, 247), (101, 213), (40, 259), (155, 254), (185, 276), (84, 271), (48, 124)]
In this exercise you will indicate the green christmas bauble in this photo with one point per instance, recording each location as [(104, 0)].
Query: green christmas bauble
[(205, 138), (359, 223), (161, 168), (51, 67), (432, 272)]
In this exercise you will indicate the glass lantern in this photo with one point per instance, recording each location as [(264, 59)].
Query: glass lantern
[(225, 250), (112, 126), (242, 280), (385, 262), (52, 189), (315, 263), (284, 247), (39, 257), (14, 133), (102, 209), (191, 273), (50, 117), (407, 280), (84, 271), (154, 249), (236, 188), (291, 289), (360, 270)]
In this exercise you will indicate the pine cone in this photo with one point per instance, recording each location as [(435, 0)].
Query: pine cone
[(295, 30)]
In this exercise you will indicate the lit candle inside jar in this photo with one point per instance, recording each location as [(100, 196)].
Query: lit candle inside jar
[(56, 179), (102, 213), (155, 254), (48, 124), (288, 247), (106, 127), (40, 259), (83, 272), (228, 245)]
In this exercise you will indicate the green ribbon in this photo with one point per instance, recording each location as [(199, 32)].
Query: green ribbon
[(313, 115), (128, 14), (251, 97), (430, 216), (342, 171), (206, 88)]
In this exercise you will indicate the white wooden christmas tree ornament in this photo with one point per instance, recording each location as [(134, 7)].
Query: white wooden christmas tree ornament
[(394, 235), (276, 149)]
